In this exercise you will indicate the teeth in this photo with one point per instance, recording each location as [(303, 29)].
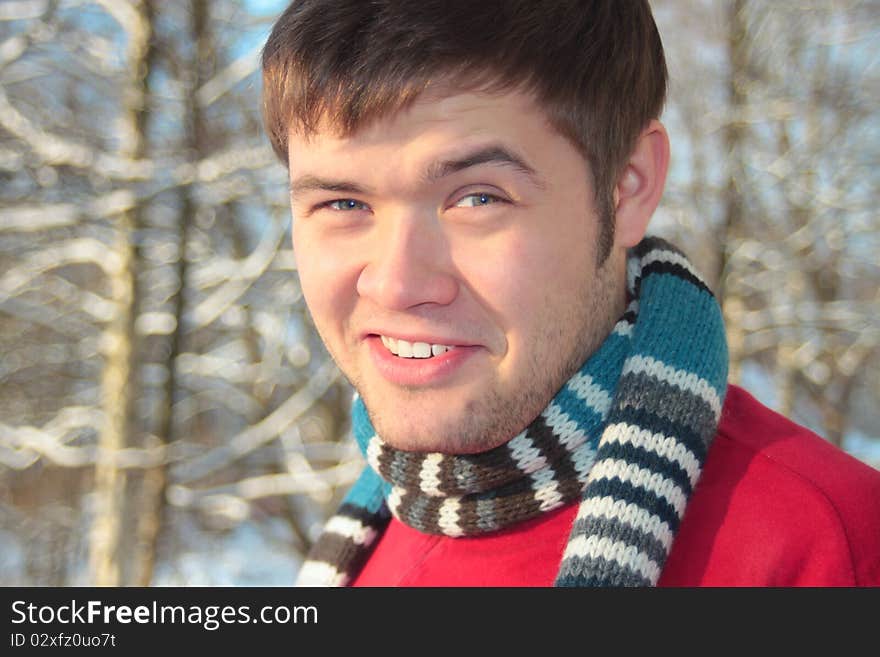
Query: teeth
[(405, 349), (421, 350)]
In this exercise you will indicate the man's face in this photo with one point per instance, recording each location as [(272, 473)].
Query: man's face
[(448, 257)]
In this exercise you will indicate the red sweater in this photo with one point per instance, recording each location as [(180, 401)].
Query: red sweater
[(775, 506)]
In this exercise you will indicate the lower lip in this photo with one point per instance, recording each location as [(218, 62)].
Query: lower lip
[(417, 371)]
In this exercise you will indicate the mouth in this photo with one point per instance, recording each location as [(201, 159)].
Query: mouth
[(418, 363), (406, 349)]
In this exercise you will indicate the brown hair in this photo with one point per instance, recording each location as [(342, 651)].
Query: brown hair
[(595, 66)]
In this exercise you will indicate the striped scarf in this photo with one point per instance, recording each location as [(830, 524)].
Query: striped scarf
[(627, 435)]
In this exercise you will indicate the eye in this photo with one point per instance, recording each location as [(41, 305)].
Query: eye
[(476, 200), (345, 205)]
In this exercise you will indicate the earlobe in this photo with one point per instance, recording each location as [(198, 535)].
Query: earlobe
[(640, 187)]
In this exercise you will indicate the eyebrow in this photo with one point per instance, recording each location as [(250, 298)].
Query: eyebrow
[(492, 154), (309, 183)]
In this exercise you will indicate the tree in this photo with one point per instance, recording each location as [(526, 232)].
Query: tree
[(796, 272), (166, 357)]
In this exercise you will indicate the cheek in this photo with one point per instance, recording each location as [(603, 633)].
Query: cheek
[(510, 275), (328, 282), (531, 275), (561, 253)]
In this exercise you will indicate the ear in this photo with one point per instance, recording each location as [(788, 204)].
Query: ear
[(640, 187)]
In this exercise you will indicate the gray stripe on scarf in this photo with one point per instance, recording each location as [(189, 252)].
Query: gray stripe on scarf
[(667, 400), (399, 464), (620, 530), (600, 571), (486, 515), (417, 513), (462, 472)]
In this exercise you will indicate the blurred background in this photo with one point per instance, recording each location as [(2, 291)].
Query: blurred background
[(167, 413)]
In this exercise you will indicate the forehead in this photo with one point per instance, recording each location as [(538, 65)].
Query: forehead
[(438, 118)]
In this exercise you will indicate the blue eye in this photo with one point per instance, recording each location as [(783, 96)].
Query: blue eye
[(476, 200), (346, 204)]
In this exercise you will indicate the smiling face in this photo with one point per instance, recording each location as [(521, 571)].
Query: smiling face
[(448, 256)]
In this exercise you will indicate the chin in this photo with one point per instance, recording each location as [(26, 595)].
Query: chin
[(469, 420), (459, 435), (419, 438)]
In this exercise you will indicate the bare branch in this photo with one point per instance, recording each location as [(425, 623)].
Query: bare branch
[(265, 430), (255, 488), (227, 78)]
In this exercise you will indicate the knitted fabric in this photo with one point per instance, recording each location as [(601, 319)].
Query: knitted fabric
[(627, 435)]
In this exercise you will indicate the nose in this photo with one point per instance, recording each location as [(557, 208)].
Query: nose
[(408, 265)]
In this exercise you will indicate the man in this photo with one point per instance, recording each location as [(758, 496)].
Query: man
[(542, 390)]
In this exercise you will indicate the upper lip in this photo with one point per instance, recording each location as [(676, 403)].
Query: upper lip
[(419, 337)]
